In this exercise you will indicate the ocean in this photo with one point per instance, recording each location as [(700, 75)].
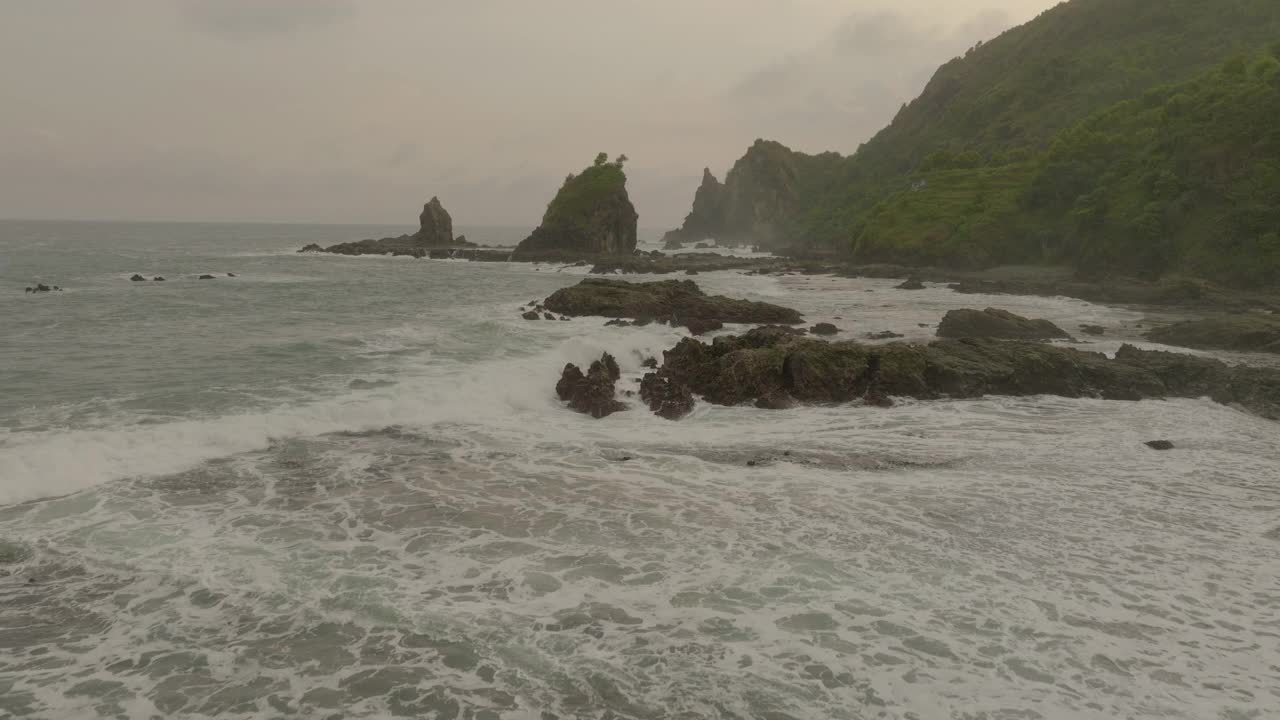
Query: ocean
[(336, 487)]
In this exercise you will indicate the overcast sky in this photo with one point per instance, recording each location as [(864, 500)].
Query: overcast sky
[(359, 110)]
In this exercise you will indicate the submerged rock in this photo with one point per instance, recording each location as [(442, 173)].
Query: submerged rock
[(679, 302), (824, 329), (137, 278), (157, 278), (999, 324), (911, 284), (591, 393), (207, 277), (764, 363), (590, 215), (1093, 330), (1246, 333), (1160, 445)]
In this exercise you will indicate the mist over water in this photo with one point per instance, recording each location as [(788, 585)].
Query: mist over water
[(343, 487)]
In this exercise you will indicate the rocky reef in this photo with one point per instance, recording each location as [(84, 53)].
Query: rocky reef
[(772, 367), (999, 324), (433, 238), (678, 302), (1248, 333), (590, 215)]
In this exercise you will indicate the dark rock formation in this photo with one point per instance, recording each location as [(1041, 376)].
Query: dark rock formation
[(593, 393), (435, 225), (42, 288), (824, 329), (231, 274), (590, 215), (137, 278), (665, 398), (911, 284), (764, 363), (1247, 333), (157, 278), (1000, 324), (706, 220), (884, 335), (679, 302), (434, 238), (705, 246), (702, 326), (759, 196), (531, 315), (1160, 445), (207, 277)]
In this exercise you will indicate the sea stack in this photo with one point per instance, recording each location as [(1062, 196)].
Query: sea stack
[(435, 226), (591, 215)]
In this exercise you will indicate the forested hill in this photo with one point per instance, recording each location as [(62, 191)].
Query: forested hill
[(1185, 179), (1007, 101)]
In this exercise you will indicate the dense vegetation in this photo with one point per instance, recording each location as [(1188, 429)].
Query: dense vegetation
[(582, 194), (1185, 179), (982, 166)]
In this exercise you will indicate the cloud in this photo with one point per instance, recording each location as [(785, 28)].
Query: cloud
[(850, 83), (262, 17)]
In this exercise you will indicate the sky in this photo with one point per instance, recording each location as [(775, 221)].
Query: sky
[(358, 111)]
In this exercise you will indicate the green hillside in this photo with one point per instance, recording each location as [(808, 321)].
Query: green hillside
[(1006, 101), (1184, 179)]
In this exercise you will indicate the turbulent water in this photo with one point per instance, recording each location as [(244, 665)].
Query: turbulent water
[(343, 487)]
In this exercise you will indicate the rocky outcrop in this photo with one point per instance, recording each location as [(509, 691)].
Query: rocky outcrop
[(434, 238), (911, 284), (591, 393), (999, 324), (765, 364), (678, 302), (666, 398), (707, 218), (824, 329), (590, 215), (1245, 333), (435, 225), (760, 195)]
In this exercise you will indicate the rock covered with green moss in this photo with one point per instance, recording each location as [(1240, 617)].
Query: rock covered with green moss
[(679, 302), (998, 324), (590, 215), (1248, 333), (770, 366)]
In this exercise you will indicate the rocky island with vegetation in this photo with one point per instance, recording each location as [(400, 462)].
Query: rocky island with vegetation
[(434, 238), (591, 215)]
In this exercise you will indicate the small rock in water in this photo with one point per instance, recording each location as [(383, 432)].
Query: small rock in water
[(824, 329), (911, 284), (651, 363), (137, 278), (157, 279), (231, 274), (531, 315), (548, 316), (1093, 329), (886, 335), (564, 318), (207, 277), (1160, 445)]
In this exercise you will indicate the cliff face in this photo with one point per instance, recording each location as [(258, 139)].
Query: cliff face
[(762, 191), (707, 217), (590, 215)]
